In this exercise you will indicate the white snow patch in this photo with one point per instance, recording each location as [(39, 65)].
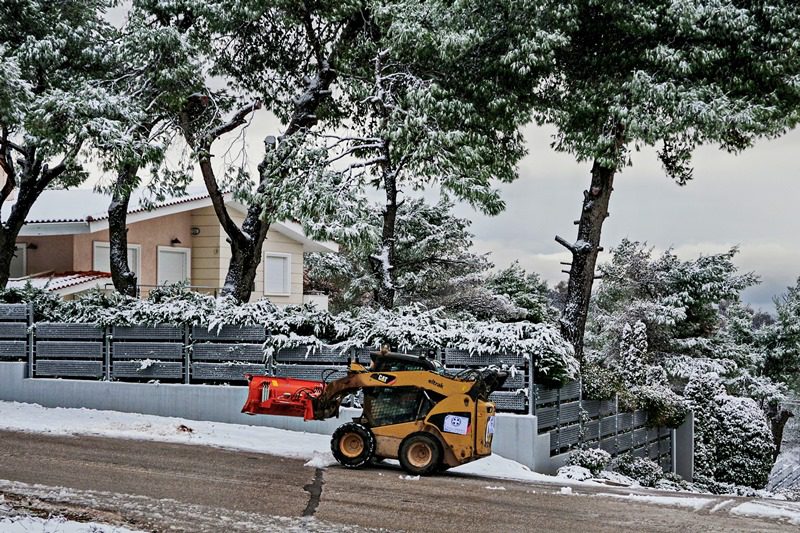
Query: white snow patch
[(574, 472), (787, 511), (62, 421), (410, 478), (144, 364), (565, 490), (720, 505), (27, 524), (321, 460), (498, 487), (692, 503)]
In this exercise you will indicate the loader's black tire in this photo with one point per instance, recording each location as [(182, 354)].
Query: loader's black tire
[(420, 454), (353, 445)]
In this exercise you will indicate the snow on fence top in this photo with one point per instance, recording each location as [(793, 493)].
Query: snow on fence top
[(402, 328)]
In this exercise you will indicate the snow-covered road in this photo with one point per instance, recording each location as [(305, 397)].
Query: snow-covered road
[(122, 474)]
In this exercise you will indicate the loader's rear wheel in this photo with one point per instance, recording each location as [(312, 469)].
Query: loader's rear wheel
[(353, 445), (420, 454)]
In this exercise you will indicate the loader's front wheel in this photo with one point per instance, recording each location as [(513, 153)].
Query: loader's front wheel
[(353, 445), (420, 454)]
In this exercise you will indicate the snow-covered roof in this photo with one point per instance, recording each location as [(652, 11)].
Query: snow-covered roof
[(63, 283), (87, 205), (72, 211)]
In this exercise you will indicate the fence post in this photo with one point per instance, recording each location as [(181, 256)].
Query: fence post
[(616, 422), (31, 358), (531, 390), (187, 363), (107, 351)]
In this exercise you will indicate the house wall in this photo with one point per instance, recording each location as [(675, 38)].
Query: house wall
[(207, 269), (149, 234), (277, 243), (54, 253)]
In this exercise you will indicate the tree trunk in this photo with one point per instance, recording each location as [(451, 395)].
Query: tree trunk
[(121, 275), (8, 247), (245, 256), (778, 417), (584, 256), (383, 260)]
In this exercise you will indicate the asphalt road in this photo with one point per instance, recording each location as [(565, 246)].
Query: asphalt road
[(158, 487)]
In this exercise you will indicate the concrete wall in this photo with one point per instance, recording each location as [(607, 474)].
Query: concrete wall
[(515, 435)]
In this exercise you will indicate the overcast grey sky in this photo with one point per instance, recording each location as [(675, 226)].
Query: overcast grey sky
[(750, 200)]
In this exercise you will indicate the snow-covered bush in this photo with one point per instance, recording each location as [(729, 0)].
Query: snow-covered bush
[(599, 383), (574, 472), (593, 459), (744, 445), (646, 472), (46, 305), (664, 408), (733, 441)]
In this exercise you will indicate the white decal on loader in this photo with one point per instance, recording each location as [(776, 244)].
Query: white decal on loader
[(456, 424)]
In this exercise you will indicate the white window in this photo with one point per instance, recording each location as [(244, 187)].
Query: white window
[(102, 257), (278, 274), (19, 264), (173, 264)]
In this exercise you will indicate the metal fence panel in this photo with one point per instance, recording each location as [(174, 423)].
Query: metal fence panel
[(459, 357), (59, 330), (13, 330), (508, 401), (14, 312), (311, 354), (69, 350), (215, 351), (67, 368), (311, 372), (147, 369), (13, 350), (147, 350), (230, 333), (226, 371), (545, 396), (148, 333)]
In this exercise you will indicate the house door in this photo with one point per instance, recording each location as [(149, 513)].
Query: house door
[(173, 264)]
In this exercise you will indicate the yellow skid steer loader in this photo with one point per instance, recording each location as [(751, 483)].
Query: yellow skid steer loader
[(413, 411)]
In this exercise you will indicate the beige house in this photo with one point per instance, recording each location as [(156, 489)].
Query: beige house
[(64, 244)]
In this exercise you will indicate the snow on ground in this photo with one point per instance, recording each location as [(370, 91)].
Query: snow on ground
[(13, 522), (787, 511), (692, 503), (29, 524)]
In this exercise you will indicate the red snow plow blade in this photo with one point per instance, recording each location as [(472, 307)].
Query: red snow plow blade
[(270, 395)]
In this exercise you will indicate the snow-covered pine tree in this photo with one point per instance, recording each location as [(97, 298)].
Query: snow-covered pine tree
[(285, 57), (698, 335), (661, 73), (157, 65), (433, 265), (631, 363), (526, 290), (430, 105), (782, 340), (53, 102)]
